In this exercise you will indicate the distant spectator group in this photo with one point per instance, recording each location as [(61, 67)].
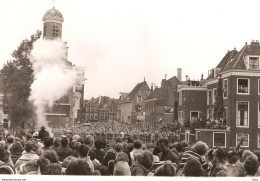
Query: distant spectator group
[(72, 154)]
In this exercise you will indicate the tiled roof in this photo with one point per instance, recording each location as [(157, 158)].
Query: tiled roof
[(238, 60), (134, 91), (154, 94)]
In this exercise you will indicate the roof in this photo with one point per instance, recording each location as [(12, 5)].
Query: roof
[(131, 95), (53, 14), (154, 94)]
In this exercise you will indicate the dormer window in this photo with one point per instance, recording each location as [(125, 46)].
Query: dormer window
[(253, 63), (139, 98)]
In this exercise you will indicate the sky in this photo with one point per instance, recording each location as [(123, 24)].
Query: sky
[(121, 42)]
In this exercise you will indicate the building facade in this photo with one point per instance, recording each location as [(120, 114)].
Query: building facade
[(133, 105)]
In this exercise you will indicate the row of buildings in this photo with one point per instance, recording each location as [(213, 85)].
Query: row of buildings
[(220, 109)]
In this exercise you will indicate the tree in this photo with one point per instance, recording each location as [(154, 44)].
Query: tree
[(219, 108), (17, 76)]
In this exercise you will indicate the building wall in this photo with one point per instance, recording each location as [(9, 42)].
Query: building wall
[(193, 100), (231, 103), (126, 111)]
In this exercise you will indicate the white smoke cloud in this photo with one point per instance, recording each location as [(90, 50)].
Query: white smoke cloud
[(52, 77)]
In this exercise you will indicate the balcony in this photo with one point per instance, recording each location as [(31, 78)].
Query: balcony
[(216, 124)]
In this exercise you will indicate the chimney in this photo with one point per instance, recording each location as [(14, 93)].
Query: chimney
[(186, 77), (201, 77), (179, 74), (152, 87), (254, 42)]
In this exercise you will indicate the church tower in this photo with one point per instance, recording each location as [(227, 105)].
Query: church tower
[(52, 24)]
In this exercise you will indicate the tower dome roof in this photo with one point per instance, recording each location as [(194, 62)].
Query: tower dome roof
[(53, 14)]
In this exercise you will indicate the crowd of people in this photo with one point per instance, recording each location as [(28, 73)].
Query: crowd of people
[(74, 154)]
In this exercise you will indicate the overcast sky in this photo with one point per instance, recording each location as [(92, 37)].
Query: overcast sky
[(120, 42)]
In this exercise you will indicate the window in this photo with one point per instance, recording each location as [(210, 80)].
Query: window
[(198, 135), (87, 108), (219, 139), (225, 88), (96, 116), (139, 98), (180, 116), (106, 115), (258, 86), (194, 116), (214, 96), (91, 116), (253, 63), (210, 117), (91, 109), (209, 97), (258, 141), (258, 114), (242, 114), (101, 115), (180, 98), (243, 86), (245, 143), (87, 116)]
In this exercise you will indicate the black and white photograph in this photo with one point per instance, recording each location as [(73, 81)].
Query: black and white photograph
[(150, 88)]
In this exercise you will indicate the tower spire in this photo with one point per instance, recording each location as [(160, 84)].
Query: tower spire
[(54, 3)]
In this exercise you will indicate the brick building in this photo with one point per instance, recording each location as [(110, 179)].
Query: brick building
[(102, 109), (133, 105), (159, 105)]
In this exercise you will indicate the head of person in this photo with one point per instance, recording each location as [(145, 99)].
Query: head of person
[(200, 147), (118, 147), (219, 154), (122, 156), (43, 163), (192, 168), (10, 139), (7, 170), (17, 148), (232, 157), (89, 140), (3, 154), (57, 142), (129, 147), (78, 167), (251, 165), (248, 153), (145, 158), (67, 161), (98, 144), (167, 169), (83, 151), (48, 142), (179, 147), (121, 168), (163, 144), (137, 144), (31, 146), (81, 140), (110, 155), (184, 145), (52, 169), (52, 156), (28, 136), (64, 141)]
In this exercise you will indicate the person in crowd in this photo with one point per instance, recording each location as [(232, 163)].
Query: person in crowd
[(43, 134), (16, 151), (52, 156), (219, 156), (66, 162), (166, 153), (137, 147), (193, 168), (78, 167), (143, 164), (48, 142), (30, 154), (64, 150), (251, 166), (52, 169), (99, 150), (231, 165), (42, 164), (121, 168), (197, 151), (83, 154), (56, 144), (166, 169), (157, 149)]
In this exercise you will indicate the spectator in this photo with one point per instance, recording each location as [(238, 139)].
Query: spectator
[(231, 165), (64, 150), (16, 151), (121, 168), (83, 154), (52, 169), (52, 156), (48, 142), (30, 147), (78, 167), (167, 169), (251, 166), (99, 152), (166, 153), (56, 144), (193, 168), (143, 165)]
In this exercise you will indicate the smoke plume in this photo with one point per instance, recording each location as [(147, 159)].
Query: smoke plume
[(52, 77)]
